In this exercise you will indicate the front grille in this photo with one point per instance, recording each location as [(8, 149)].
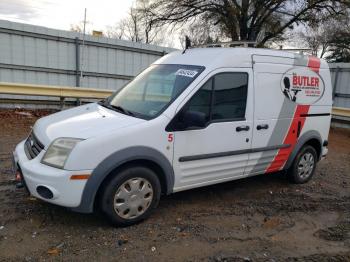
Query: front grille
[(33, 146)]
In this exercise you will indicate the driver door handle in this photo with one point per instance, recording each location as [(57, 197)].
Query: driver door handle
[(242, 128)]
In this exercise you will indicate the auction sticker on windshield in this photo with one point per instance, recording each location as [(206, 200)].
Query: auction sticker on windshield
[(187, 73)]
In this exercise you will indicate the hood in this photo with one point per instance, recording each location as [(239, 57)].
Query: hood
[(81, 122)]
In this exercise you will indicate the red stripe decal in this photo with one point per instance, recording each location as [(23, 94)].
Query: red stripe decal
[(292, 135), (291, 139), (314, 64)]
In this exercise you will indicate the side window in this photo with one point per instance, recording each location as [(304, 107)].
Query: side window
[(230, 96), (222, 98), (201, 100)]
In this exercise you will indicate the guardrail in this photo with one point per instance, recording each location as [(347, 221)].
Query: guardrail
[(341, 117), (341, 111), (56, 91), (89, 93)]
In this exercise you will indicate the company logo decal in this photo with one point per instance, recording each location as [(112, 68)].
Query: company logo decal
[(302, 86)]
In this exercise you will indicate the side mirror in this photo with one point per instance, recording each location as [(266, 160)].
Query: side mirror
[(194, 119)]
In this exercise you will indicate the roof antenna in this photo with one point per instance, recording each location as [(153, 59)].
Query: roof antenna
[(187, 43)]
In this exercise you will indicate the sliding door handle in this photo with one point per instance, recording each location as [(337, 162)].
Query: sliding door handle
[(265, 126), (242, 128)]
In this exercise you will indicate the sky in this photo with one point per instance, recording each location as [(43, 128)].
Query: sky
[(61, 14)]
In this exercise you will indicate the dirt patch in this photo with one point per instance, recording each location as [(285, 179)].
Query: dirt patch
[(339, 232), (321, 258), (262, 218), (312, 258)]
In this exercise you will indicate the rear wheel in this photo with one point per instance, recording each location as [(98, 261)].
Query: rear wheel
[(130, 196), (304, 165)]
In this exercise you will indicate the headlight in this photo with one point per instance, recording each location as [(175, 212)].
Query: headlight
[(58, 152)]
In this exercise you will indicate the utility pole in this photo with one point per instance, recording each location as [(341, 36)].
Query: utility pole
[(83, 49), (78, 102)]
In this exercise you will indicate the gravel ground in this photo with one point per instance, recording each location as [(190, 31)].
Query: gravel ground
[(263, 218)]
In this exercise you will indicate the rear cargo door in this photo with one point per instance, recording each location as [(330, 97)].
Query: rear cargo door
[(273, 113)]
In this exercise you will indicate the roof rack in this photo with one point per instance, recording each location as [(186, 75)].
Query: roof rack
[(301, 51), (230, 44), (244, 44)]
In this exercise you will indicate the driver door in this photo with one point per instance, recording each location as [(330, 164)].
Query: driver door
[(218, 151)]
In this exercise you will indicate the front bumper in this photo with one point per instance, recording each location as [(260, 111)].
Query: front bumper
[(65, 192)]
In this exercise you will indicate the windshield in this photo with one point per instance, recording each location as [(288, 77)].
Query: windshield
[(153, 90)]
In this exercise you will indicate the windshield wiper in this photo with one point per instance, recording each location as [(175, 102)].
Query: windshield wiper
[(120, 109)]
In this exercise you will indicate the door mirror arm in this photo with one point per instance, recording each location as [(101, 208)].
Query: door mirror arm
[(186, 120)]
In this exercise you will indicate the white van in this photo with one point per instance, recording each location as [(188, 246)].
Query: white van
[(192, 119)]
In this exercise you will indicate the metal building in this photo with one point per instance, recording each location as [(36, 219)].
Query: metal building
[(340, 73), (39, 55)]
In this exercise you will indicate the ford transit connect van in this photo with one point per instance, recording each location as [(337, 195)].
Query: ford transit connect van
[(192, 119)]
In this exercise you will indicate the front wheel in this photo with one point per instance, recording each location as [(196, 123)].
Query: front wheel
[(304, 165), (130, 196)]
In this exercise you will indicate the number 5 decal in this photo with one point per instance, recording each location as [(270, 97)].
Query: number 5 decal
[(170, 137)]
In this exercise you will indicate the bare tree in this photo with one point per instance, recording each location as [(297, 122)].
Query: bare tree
[(255, 20), (339, 44), (148, 26), (317, 38), (76, 28), (129, 28), (200, 33), (133, 25), (117, 31), (79, 27), (139, 26), (322, 34)]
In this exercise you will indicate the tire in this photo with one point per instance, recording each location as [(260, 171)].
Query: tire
[(304, 165), (130, 196)]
